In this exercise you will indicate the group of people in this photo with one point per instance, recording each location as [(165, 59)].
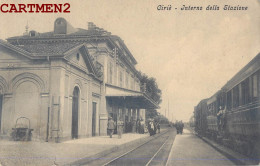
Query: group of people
[(135, 126), (153, 126), (140, 126), (179, 127)]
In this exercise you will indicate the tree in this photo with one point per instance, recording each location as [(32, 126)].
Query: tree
[(151, 113), (150, 87)]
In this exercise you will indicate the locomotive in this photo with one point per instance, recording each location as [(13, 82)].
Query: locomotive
[(232, 115)]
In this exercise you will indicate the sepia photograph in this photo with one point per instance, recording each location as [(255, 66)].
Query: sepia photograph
[(129, 83)]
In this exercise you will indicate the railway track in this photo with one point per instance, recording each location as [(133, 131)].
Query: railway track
[(153, 152)]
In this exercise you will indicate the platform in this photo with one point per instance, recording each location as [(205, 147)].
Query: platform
[(190, 150), (48, 153)]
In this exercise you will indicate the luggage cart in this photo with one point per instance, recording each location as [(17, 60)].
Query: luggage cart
[(22, 132)]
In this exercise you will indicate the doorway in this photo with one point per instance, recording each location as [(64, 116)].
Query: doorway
[(94, 113), (75, 112)]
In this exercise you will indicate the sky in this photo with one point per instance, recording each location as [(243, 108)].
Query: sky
[(192, 54)]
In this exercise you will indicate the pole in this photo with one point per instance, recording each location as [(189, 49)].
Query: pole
[(48, 119), (168, 109)]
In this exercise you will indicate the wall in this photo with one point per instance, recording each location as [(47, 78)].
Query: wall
[(69, 77), (25, 86)]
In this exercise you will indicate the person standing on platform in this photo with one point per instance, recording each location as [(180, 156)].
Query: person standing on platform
[(151, 127), (138, 125), (142, 124), (111, 126), (155, 127), (158, 126), (120, 125), (181, 126)]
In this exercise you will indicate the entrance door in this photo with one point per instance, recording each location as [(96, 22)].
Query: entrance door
[(1, 99), (75, 110), (94, 113)]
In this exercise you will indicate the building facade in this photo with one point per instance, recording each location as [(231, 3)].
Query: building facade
[(67, 82)]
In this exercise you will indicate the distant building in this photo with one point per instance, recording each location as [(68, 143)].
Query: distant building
[(68, 82)]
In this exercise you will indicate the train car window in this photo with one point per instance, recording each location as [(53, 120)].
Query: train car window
[(221, 100), (255, 86), (209, 110), (240, 94), (229, 100), (247, 94), (245, 91), (250, 91), (235, 97)]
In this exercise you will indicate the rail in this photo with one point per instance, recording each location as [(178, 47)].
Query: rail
[(124, 154)]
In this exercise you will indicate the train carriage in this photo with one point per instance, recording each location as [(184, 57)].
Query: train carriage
[(233, 113), (200, 115), (243, 109)]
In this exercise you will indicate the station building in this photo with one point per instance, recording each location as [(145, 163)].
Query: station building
[(67, 82)]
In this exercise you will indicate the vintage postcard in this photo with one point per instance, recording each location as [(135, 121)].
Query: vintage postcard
[(113, 82)]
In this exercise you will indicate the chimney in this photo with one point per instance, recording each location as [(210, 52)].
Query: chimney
[(91, 26)]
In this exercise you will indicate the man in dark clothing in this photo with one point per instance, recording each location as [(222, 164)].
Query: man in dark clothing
[(158, 127), (142, 125), (138, 126), (177, 126), (151, 127), (181, 127), (111, 126)]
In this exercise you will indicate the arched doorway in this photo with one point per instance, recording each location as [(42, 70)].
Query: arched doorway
[(75, 113), (27, 104)]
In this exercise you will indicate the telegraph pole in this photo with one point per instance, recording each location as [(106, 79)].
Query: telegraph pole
[(168, 109)]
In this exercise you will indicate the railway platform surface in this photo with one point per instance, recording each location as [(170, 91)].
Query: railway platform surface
[(188, 149), (50, 153)]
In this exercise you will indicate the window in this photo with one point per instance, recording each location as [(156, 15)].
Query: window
[(137, 85), (120, 79), (245, 91), (229, 100), (110, 73), (126, 80), (255, 85), (32, 33), (236, 97), (132, 82)]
